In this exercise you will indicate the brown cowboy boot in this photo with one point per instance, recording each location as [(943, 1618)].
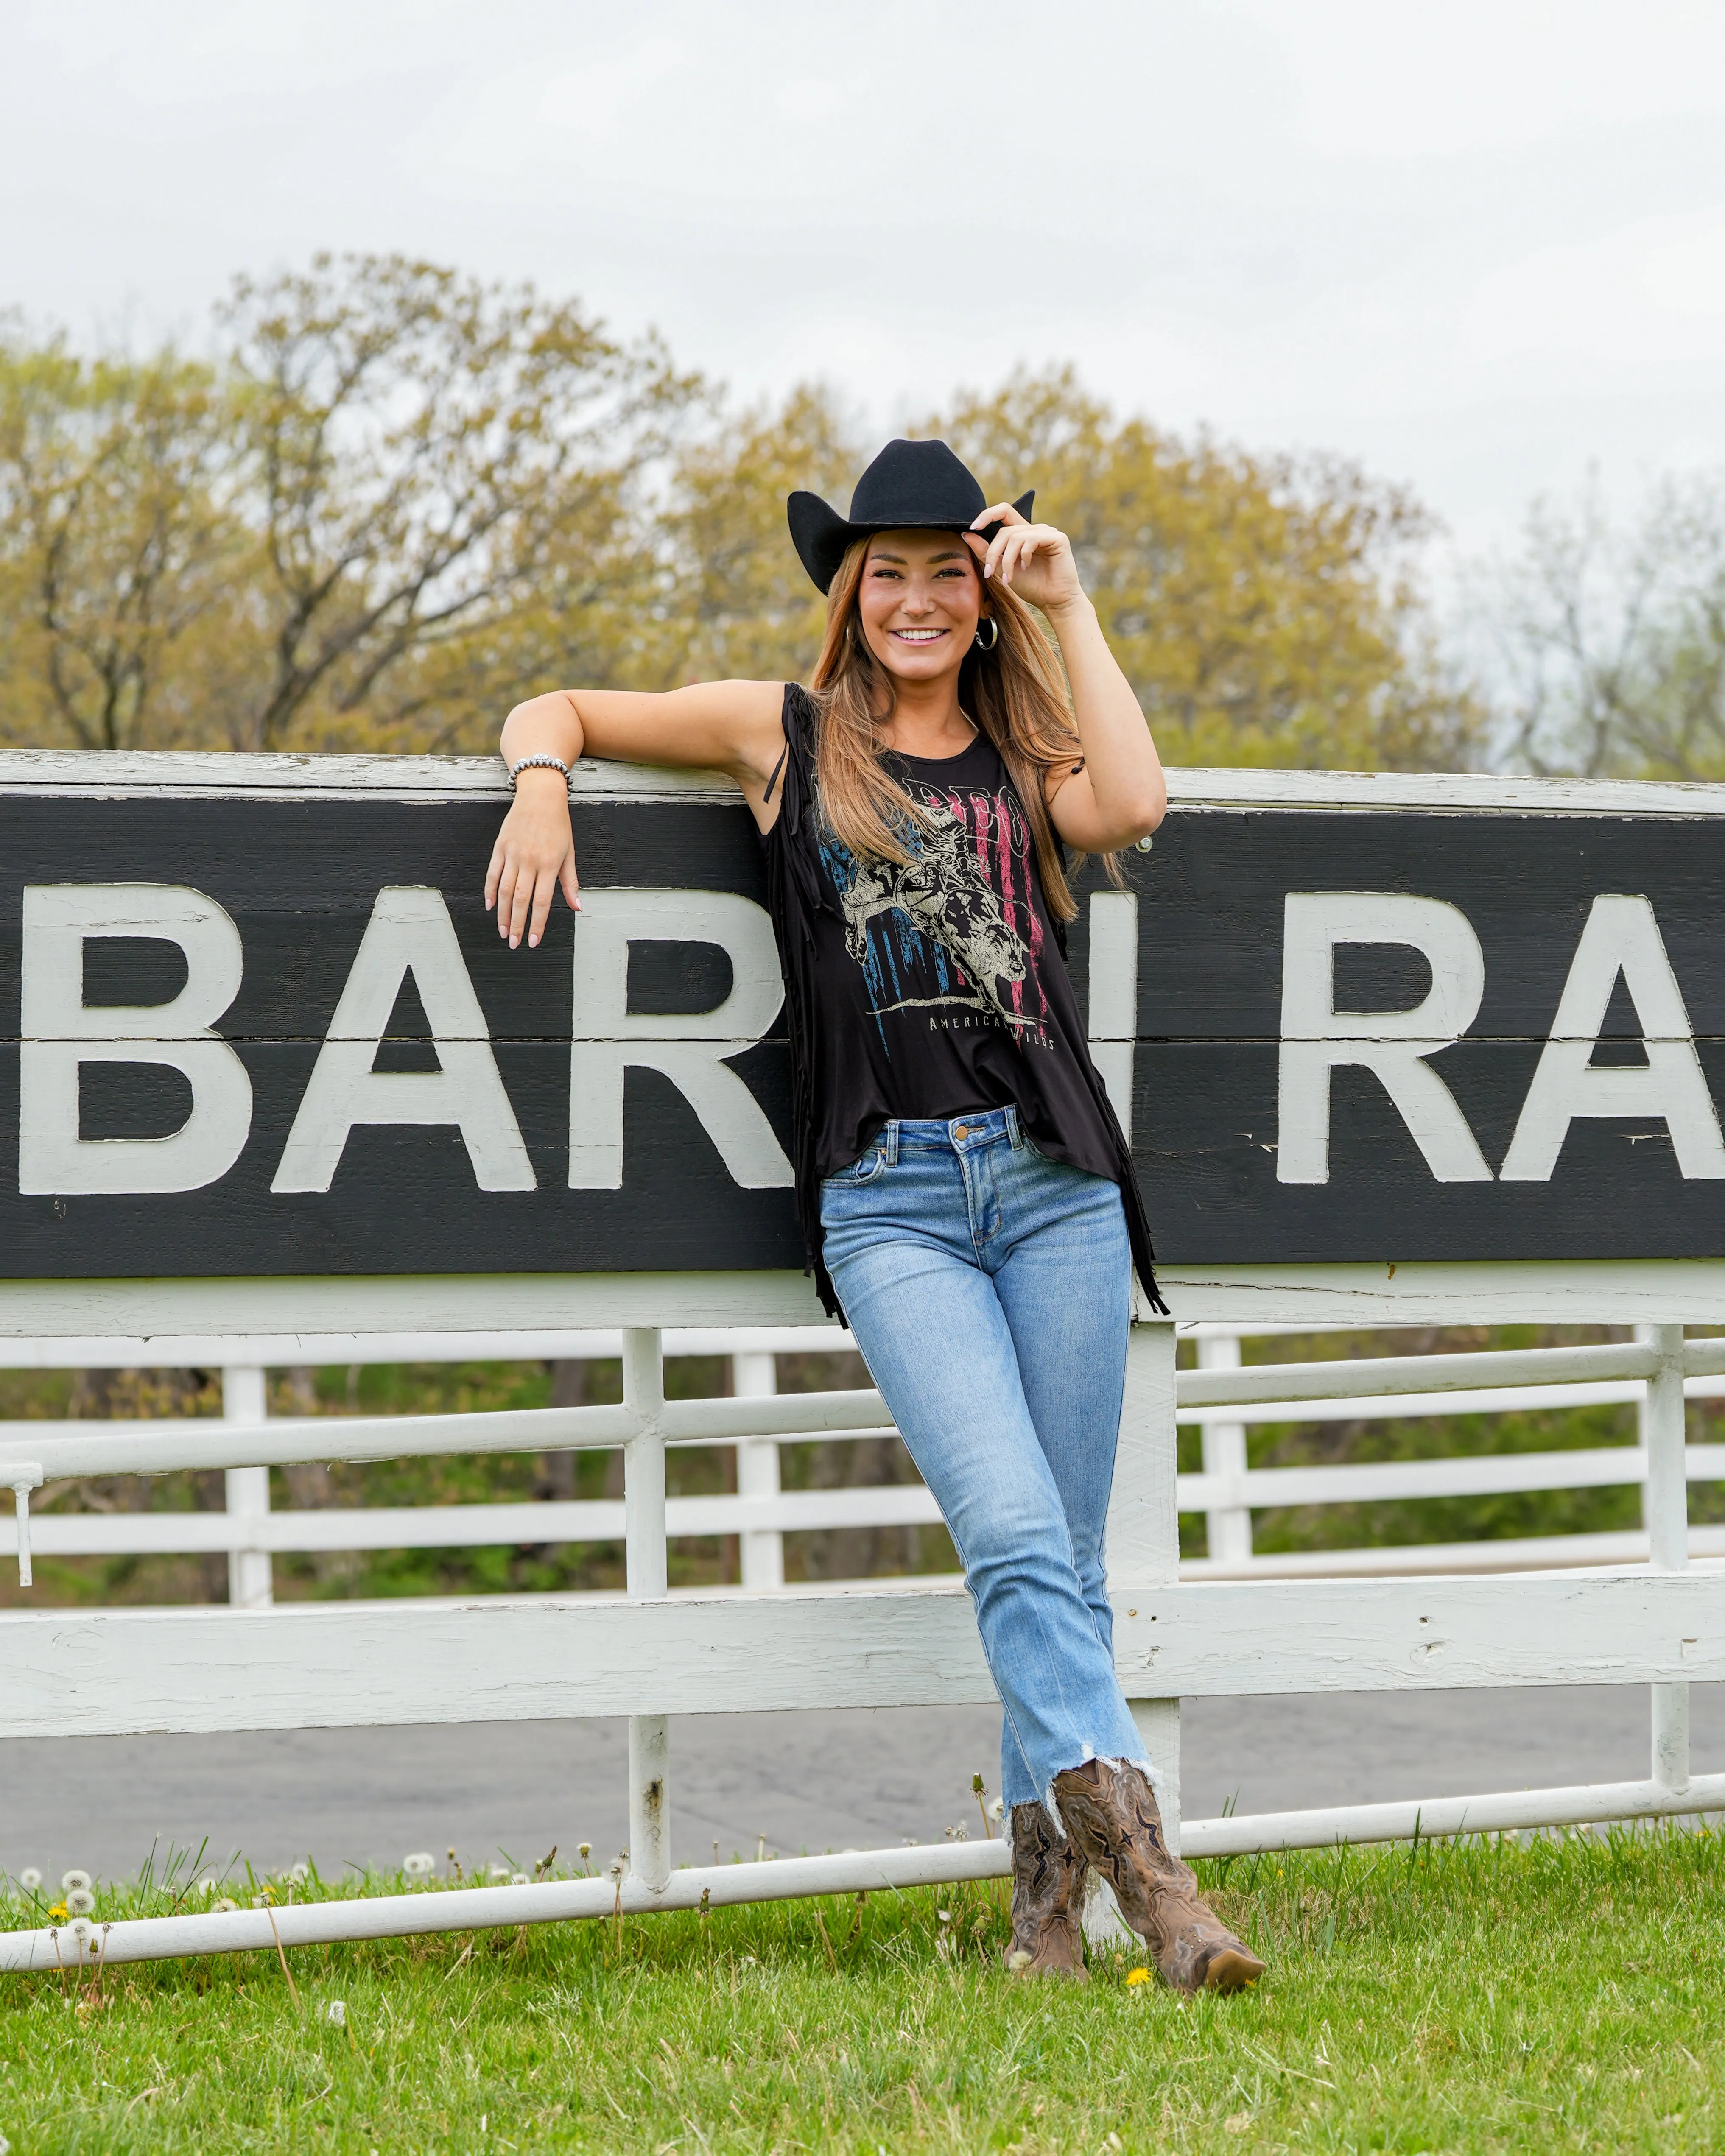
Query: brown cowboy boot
[(1047, 1899), (1112, 1818)]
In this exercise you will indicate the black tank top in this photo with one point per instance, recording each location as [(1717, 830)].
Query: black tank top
[(928, 989)]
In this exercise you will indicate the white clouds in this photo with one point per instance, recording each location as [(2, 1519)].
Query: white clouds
[(1477, 245)]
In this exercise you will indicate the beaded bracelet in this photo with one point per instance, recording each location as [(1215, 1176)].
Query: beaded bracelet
[(527, 762)]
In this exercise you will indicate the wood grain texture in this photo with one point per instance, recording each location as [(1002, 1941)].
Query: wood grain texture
[(295, 851), (67, 1673), (83, 773)]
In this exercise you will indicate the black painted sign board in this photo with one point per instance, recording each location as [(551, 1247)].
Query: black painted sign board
[(251, 1036)]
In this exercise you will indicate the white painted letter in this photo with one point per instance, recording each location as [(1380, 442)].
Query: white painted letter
[(1316, 1037), (1621, 937), (60, 1033), (1114, 996), (690, 1047), (410, 931)]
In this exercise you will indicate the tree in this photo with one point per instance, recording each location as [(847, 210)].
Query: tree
[(738, 604), (442, 472), (1611, 643), (1264, 609), (121, 552), (400, 499)]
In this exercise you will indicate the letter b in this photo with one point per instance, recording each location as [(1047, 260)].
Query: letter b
[(60, 1032)]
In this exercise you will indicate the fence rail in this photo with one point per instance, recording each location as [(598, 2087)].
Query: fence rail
[(1221, 1398)]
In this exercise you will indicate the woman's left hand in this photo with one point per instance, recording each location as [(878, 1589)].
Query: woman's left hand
[(1036, 559)]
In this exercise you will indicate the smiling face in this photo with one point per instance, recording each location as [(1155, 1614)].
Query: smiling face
[(921, 598)]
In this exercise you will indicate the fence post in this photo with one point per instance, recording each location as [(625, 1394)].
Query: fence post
[(753, 1377), (1665, 1511), (1229, 1528), (251, 1582), (648, 1579), (1144, 1552)]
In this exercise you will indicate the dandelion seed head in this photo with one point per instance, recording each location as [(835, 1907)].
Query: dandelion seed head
[(945, 1916), (29, 1879), (502, 1871), (74, 1882), (420, 1864), (82, 1930), (223, 1906), (300, 1873), (998, 1808), (335, 2013), (586, 1849), (80, 1902), (519, 1879)]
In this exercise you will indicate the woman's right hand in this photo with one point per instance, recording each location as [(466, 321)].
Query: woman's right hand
[(535, 852)]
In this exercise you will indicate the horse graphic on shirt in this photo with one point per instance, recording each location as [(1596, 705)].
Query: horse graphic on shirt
[(943, 894)]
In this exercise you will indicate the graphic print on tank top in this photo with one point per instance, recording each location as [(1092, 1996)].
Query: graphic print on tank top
[(954, 930)]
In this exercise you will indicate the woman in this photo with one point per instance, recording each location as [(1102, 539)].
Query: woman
[(967, 1195)]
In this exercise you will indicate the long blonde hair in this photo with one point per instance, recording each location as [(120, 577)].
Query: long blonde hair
[(1015, 693)]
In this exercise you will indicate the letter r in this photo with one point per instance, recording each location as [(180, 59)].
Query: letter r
[(1315, 1037)]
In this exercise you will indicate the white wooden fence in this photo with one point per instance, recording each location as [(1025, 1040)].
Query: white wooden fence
[(760, 1513), (653, 1656)]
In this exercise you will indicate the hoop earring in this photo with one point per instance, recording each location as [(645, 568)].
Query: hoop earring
[(993, 626)]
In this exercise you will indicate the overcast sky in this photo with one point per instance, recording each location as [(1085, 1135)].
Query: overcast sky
[(1479, 245)]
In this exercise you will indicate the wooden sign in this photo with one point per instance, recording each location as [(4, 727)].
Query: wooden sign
[(256, 1022)]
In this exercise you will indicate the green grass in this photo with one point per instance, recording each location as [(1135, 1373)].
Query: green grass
[(1562, 1994)]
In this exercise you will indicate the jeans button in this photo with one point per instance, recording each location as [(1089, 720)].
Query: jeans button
[(961, 1134)]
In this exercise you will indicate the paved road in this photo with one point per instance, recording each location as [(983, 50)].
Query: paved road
[(850, 1779)]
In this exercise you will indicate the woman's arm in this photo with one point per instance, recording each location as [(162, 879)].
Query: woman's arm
[(1118, 796), (734, 726)]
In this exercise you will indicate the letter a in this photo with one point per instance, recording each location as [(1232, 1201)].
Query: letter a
[(1621, 937), (409, 929)]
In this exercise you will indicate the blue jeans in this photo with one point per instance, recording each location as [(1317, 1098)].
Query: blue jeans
[(990, 1289)]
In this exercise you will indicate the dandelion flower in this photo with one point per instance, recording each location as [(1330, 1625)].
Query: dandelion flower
[(74, 1882), (59, 1913), (224, 1906), (420, 1864), (1136, 1976), (519, 1879), (336, 2013), (29, 1879), (81, 1902)]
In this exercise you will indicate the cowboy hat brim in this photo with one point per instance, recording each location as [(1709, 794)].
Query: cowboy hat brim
[(821, 534)]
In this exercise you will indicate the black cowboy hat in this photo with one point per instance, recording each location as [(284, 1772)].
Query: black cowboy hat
[(911, 486)]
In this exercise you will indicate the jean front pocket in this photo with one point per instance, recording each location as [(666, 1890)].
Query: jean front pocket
[(867, 1168)]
